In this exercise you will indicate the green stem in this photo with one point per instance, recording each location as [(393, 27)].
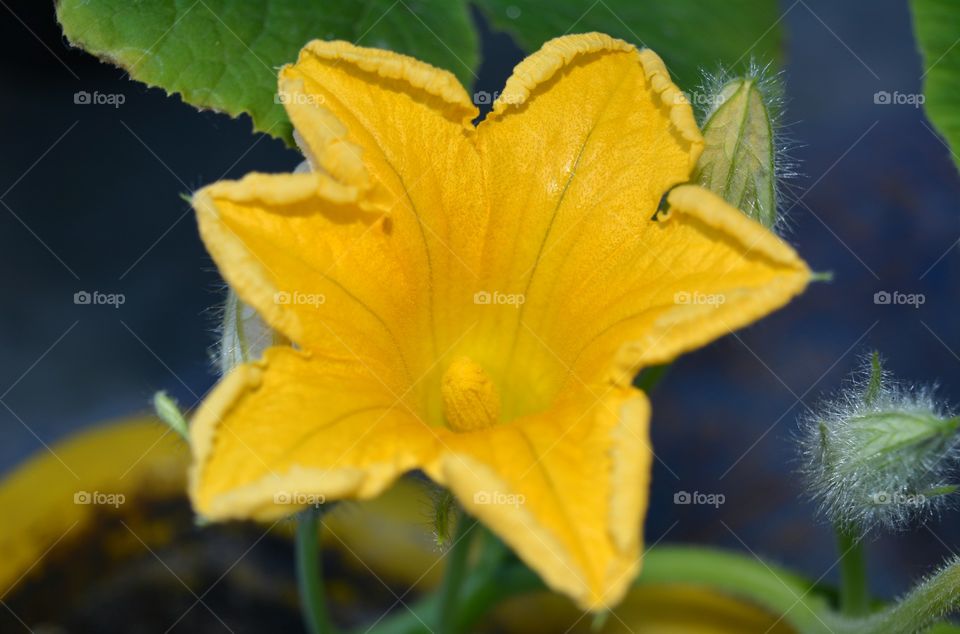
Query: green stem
[(854, 594), (313, 602), (480, 598), (490, 581), (409, 621), (453, 576), (924, 606)]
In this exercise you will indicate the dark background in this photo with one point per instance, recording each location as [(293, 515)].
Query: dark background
[(90, 200)]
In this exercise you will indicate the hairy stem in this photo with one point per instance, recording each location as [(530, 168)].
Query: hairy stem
[(854, 594), (453, 576)]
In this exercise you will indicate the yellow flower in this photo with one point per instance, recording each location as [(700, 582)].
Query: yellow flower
[(474, 301)]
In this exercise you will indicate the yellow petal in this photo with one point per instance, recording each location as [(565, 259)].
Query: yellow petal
[(566, 489), (317, 266), (704, 270), (587, 136), (405, 126), (296, 429), (588, 133)]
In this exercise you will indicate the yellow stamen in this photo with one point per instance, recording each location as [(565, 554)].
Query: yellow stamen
[(470, 399)]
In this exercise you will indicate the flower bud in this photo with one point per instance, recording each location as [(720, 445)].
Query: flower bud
[(245, 335), (444, 516), (739, 160), (880, 454)]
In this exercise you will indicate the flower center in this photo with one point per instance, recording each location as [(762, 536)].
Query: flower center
[(470, 399)]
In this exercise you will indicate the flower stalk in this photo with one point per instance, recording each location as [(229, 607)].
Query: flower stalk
[(313, 601), (854, 592), (455, 574)]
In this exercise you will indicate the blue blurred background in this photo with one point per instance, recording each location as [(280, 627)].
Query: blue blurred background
[(90, 201)]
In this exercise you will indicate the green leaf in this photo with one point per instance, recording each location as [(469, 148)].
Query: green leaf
[(937, 25), (689, 35), (169, 412), (224, 54)]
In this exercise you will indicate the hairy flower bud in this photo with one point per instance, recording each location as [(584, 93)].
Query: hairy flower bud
[(881, 454), (740, 155), (244, 334), (444, 516)]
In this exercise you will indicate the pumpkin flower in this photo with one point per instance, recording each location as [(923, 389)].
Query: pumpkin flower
[(474, 301)]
